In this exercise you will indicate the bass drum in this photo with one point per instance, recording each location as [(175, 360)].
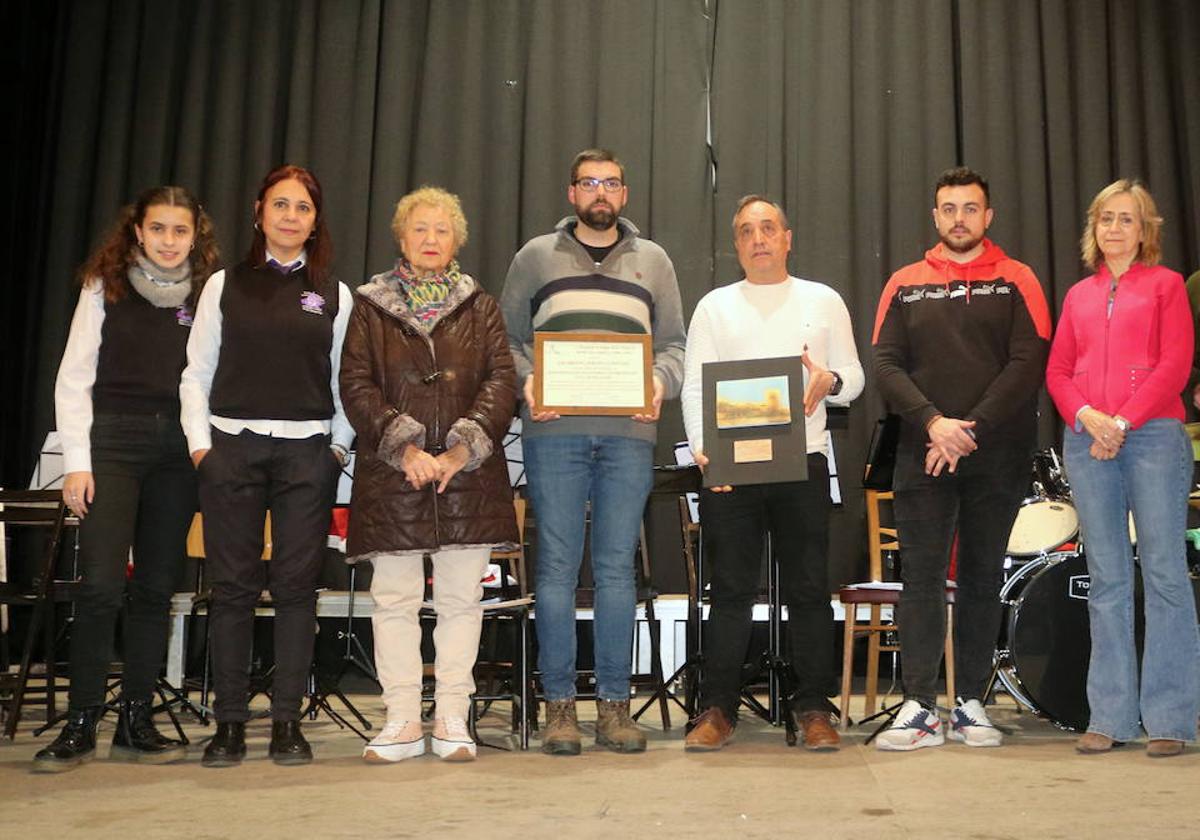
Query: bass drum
[(1043, 662), (1042, 659)]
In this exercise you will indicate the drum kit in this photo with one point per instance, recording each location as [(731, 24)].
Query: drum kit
[(1042, 656)]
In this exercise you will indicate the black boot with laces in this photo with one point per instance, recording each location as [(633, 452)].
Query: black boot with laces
[(75, 744), (137, 739)]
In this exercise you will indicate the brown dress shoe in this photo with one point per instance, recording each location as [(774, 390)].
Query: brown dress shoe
[(1091, 743), (1164, 747), (817, 732), (711, 731)]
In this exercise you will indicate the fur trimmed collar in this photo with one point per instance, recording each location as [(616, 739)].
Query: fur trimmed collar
[(383, 290)]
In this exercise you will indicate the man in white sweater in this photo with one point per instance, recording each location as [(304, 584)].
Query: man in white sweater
[(770, 314)]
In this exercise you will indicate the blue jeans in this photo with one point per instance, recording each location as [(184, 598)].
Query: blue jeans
[(565, 472), (1150, 476)]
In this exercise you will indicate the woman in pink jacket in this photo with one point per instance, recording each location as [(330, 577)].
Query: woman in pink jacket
[(1120, 358)]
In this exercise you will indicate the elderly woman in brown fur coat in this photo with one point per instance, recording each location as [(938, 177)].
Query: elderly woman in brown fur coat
[(428, 384)]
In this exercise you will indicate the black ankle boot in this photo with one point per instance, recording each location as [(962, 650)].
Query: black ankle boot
[(75, 744), (228, 746), (287, 743), (137, 739)]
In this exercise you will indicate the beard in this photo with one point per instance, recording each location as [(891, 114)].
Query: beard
[(962, 246), (600, 216)]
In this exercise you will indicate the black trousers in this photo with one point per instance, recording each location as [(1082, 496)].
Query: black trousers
[(145, 498), (240, 479), (796, 515), (980, 503)]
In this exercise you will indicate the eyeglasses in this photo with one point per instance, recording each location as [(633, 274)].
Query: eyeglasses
[(590, 185)]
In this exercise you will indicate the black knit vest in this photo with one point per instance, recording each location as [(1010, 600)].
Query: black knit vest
[(142, 353), (276, 335)]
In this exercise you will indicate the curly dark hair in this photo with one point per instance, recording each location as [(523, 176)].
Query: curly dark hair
[(109, 263), (962, 176), (319, 249)]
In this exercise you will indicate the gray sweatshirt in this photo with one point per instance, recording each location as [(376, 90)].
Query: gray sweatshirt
[(553, 285)]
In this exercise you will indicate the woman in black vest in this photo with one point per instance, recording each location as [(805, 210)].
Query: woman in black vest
[(266, 430), (128, 477)]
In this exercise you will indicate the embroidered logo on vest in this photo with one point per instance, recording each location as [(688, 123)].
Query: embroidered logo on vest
[(312, 302)]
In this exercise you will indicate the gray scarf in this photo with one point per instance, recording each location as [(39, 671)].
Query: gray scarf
[(164, 287)]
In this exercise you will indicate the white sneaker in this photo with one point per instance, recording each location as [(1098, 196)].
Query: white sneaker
[(451, 740), (969, 723), (914, 727), (398, 740)]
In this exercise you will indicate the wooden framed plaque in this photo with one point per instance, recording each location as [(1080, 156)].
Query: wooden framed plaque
[(754, 421), (593, 373)]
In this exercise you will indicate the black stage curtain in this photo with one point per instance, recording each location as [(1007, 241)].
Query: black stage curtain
[(844, 111)]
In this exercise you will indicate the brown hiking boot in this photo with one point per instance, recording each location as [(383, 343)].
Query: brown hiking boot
[(561, 736), (710, 731), (615, 729)]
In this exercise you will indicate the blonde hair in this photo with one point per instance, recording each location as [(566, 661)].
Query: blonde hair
[(1150, 249), (434, 197)]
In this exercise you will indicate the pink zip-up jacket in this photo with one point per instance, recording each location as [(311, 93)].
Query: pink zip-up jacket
[(1133, 361)]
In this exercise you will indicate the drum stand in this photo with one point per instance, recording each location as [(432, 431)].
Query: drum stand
[(318, 700), (1006, 685), (779, 684), (887, 713), (320, 690), (355, 653)]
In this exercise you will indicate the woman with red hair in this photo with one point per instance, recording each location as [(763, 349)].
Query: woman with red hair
[(266, 431)]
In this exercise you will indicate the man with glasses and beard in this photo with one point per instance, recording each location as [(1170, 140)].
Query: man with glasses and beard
[(960, 339), (593, 274)]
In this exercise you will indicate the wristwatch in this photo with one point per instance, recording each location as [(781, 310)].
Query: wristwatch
[(836, 388), (1122, 424)]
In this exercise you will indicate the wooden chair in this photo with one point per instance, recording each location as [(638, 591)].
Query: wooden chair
[(880, 539), (41, 509), (195, 537)]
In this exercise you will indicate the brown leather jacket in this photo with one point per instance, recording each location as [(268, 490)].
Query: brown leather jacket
[(434, 386)]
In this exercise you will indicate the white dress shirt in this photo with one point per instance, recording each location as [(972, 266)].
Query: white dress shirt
[(76, 376)]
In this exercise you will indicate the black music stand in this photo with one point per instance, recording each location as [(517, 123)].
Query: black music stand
[(683, 480), (773, 662), (679, 480)]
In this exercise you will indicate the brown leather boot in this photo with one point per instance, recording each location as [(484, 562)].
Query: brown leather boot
[(1093, 743), (710, 731), (561, 735), (615, 729), (1164, 748)]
